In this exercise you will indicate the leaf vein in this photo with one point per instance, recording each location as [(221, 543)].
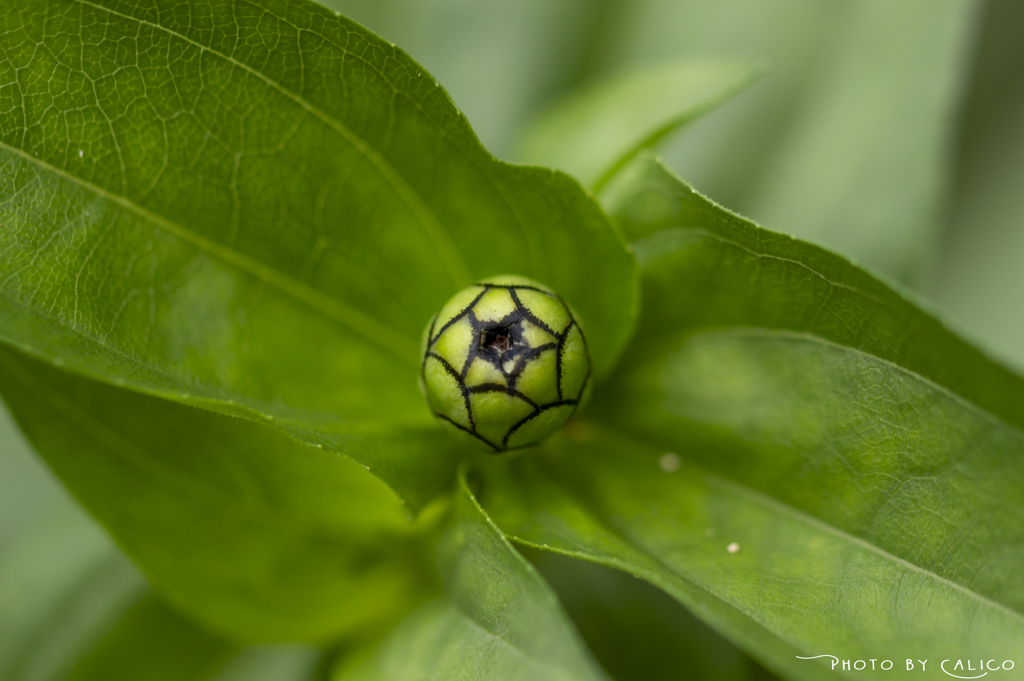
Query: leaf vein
[(424, 214), (375, 331)]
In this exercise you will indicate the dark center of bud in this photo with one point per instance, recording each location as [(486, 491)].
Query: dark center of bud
[(498, 340)]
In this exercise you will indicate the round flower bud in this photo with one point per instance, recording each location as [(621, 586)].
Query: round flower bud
[(504, 362)]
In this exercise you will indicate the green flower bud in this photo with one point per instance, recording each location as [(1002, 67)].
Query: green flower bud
[(505, 361)]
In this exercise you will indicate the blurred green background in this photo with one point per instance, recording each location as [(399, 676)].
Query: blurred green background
[(891, 132)]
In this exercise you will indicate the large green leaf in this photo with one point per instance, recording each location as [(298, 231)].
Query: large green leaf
[(705, 267), (637, 631), (64, 586), (256, 208), (498, 621), (863, 463), (594, 129), (914, 586), (252, 533)]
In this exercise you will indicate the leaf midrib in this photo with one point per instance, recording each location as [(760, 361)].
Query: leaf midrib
[(729, 221), (652, 576), (532, 573), (759, 498), (371, 329), (1009, 429), (860, 293), (363, 324), (537, 253), (802, 516)]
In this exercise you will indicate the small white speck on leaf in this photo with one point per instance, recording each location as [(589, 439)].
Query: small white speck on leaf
[(710, 532), (733, 548), (669, 462), (81, 153)]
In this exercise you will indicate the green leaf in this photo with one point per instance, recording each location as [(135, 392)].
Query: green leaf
[(863, 462), (246, 530), (499, 620), (62, 583), (704, 267), (796, 585), (636, 631), (256, 208), (593, 130), (152, 642)]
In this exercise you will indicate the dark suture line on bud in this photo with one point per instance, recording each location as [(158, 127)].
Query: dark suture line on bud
[(529, 417), (456, 318), (474, 349), (462, 386), (520, 367), (558, 353), (586, 351), (509, 287), (498, 388), (430, 344), (526, 312), (497, 449)]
